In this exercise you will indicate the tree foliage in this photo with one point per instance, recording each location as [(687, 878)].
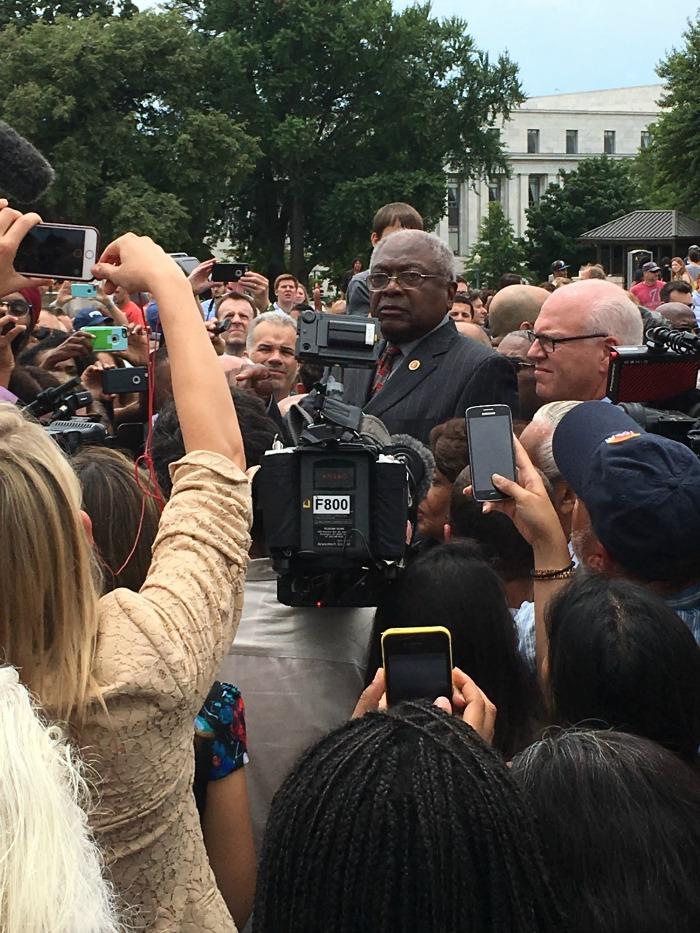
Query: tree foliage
[(121, 110), (670, 167), (497, 250), (354, 105), (599, 190), (24, 13)]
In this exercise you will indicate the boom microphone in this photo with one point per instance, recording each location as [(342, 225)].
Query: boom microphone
[(25, 174)]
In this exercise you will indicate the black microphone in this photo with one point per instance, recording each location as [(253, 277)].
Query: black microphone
[(668, 338), (25, 174)]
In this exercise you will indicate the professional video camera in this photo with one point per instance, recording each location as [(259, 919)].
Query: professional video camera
[(335, 507), (664, 369), (71, 432)]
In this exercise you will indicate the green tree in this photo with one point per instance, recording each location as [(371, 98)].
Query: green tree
[(497, 249), (670, 167), (120, 109), (354, 104), (24, 13), (599, 190)]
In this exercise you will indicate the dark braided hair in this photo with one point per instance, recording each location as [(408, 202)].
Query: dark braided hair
[(402, 820)]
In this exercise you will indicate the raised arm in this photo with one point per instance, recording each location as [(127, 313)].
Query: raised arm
[(205, 408)]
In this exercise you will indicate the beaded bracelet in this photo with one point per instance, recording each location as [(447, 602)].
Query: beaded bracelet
[(562, 574)]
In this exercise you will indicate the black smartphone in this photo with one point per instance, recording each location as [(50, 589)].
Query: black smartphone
[(58, 251), (490, 438), (417, 663), (221, 326), (228, 271), (122, 381)]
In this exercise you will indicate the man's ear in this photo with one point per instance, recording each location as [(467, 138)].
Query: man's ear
[(526, 325), (374, 238), (87, 525), (451, 292)]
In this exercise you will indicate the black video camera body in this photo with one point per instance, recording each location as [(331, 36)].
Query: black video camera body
[(343, 509), (335, 507)]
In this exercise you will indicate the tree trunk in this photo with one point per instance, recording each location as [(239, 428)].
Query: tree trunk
[(296, 238)]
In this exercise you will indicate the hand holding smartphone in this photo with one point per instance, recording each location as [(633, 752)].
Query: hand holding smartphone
[(417, 663), (58, 251), (490, 438)]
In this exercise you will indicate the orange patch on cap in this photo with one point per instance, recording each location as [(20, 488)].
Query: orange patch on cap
[(621, 437)]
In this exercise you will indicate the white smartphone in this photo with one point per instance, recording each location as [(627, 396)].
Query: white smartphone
[(58, 251)]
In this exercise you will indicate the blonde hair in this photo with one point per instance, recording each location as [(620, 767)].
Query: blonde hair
[(50, 868), (48, 577)]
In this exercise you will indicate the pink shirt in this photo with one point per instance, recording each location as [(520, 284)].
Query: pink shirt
[(649, 295)]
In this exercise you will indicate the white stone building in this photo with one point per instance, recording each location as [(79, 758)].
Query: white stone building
[(541, 137)]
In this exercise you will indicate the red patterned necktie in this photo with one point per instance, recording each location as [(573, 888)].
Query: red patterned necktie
[(384, 367)]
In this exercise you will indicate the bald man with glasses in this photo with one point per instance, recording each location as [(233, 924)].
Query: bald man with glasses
[(575, 331)]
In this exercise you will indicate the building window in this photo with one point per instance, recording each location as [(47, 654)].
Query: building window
[(496, 188), (571, 142), (609, 142), (536, 185), (533, 140), (645, 141), (453, 215)]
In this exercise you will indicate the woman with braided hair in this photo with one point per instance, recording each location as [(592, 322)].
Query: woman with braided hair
[(404, 820)]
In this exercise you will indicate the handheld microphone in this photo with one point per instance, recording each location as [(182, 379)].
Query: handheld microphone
[(25, 175)]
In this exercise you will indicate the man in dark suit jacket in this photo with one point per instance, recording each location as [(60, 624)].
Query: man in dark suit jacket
[(427, 372)]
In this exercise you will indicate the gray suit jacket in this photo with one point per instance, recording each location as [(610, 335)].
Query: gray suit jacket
[(454, 373), (357, 295)]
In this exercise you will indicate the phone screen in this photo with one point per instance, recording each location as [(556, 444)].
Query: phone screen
[(417, 676), (52, 251), (490, 451)]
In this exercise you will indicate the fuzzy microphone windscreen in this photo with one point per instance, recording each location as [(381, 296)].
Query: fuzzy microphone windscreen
[(25, 174)]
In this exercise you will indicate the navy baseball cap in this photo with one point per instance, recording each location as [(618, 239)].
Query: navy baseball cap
[(90, 317), (642, 491)]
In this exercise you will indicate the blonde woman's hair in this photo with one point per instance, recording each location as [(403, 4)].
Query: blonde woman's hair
[(48, 577), (51, 877)]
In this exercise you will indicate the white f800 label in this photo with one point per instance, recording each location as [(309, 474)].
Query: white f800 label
[(331, 505)]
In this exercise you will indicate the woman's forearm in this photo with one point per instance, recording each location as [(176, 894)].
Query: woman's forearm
[(202, 396)]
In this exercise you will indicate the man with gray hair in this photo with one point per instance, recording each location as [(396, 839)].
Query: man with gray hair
[(271, 343), (427, 372), (575, 331)]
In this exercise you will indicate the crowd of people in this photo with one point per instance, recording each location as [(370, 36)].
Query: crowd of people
[(181, 751)]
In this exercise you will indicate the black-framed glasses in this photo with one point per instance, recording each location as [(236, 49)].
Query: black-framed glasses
[(16, 306), (407, 278), (519, 363), (549, 344)]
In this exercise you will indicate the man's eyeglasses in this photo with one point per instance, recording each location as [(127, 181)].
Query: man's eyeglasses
[(17, 306), (549, 344), (518, 363), (407, 278)]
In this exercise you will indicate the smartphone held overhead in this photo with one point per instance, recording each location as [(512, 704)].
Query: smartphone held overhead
[(58, 251), (115, 339), (490, 439), (228, 271), (417, 663)]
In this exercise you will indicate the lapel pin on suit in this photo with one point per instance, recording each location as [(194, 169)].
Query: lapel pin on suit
[(414, 365)]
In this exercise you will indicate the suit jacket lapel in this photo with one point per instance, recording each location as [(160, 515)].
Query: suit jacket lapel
[(405, 380)]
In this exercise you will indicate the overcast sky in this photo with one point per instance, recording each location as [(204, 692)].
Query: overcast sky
[(564, 46)]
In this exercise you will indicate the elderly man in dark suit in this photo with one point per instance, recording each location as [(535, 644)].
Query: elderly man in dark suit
[(427, 371)]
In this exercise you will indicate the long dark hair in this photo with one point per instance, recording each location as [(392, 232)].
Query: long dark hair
[(620, 817), (448, 585), (400, 821), (620, 656)]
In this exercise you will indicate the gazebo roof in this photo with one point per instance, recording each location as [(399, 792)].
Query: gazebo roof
[(645, 226)]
